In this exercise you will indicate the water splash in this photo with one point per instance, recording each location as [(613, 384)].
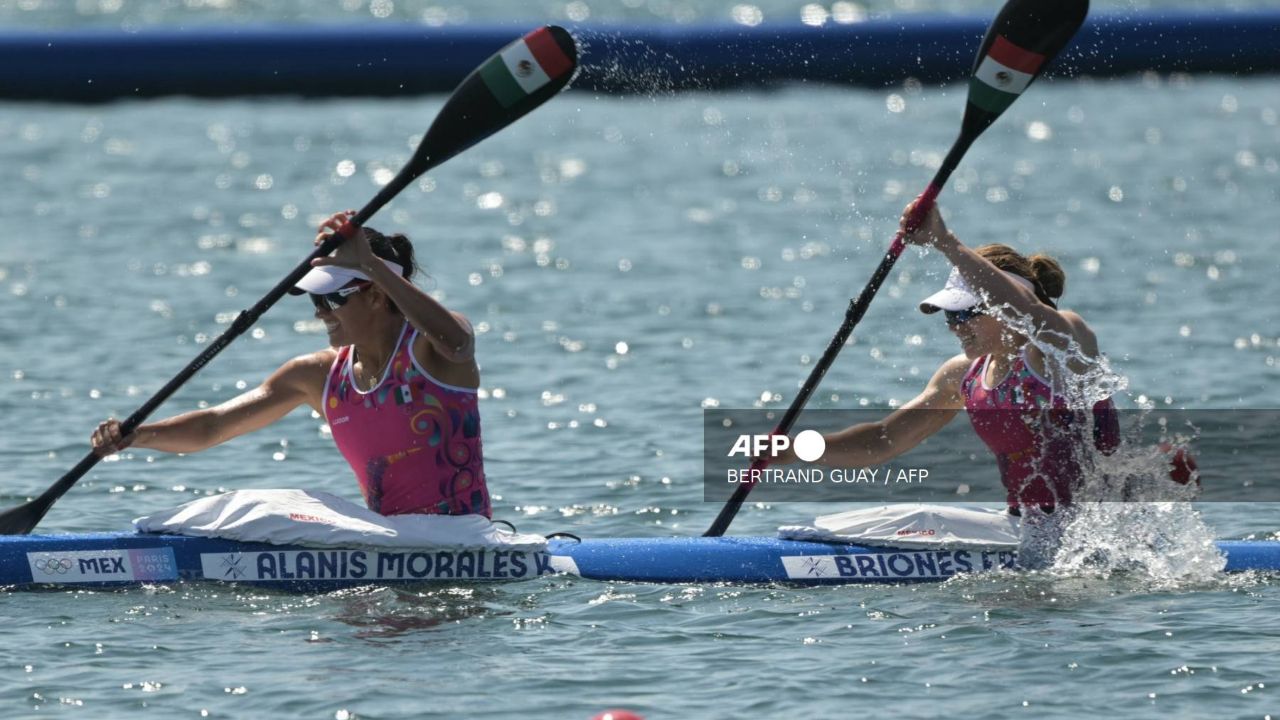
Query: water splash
[(1165, 545), (1082, 380), (1129, 516), (618, 64)]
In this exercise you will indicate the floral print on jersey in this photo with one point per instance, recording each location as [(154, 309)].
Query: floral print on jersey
[(1036, 438), (413, 442)]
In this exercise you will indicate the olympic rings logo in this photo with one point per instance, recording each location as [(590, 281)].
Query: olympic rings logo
[(53, 566)]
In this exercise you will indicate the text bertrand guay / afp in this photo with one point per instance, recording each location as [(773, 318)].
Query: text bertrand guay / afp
[(886, 475)]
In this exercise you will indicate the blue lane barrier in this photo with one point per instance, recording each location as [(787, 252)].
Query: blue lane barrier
[(89, 65)]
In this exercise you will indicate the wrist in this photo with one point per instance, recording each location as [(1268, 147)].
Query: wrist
[(946, 242), (373, 266), (142, 437)]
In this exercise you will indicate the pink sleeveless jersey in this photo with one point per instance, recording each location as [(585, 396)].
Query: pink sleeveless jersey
[(413, 442), (1033, 434)]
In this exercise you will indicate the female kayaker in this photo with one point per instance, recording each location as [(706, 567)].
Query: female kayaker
[(397, 386), (1002, 308)]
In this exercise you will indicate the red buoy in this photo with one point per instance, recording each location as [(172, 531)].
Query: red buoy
[(617, 715)]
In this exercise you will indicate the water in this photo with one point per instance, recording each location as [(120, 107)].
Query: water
[(627, 261), (142, 13)]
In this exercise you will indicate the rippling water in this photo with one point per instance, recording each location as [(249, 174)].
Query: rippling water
[(627, 260), (141, 13)]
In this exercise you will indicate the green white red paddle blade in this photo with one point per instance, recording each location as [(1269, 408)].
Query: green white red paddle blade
[(509, 85), (1025, 37)]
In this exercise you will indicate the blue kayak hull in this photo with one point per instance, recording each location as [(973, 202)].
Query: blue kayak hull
[(768, 560), (124, 559)]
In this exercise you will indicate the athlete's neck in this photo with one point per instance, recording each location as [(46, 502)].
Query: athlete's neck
[(373, 350), (1001, 361)]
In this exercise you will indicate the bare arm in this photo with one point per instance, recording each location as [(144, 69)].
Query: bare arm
[(998, 287), (1003, 290), (449, 333), (297, 382), (878, 442)]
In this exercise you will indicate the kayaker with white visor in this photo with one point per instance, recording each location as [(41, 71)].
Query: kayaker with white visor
[(397, 386), (1011, 377)]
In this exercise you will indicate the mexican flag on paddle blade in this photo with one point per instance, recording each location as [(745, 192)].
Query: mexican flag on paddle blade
[(1002, 75), (524, 66)]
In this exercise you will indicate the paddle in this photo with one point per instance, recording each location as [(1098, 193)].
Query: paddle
[(517, 79), (1024, 37)]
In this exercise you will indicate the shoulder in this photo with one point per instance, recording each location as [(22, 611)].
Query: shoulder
[(954, 369), (305, 371), (462, 319), (422, 344), (944, 387), (462, 372), (1074, 319), (319, 359), (1081, 331)]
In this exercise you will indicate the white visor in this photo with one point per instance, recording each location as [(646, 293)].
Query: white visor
[(329, 278), (958, 294)]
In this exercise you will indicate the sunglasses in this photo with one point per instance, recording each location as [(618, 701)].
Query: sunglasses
[(336, 299), (960, 317)]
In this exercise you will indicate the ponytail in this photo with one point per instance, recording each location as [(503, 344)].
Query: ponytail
[(395, 248), (398, 250), (1045, 273), (1049, 278)]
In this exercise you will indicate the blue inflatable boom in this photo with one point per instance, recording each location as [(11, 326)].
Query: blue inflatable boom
[(101, 65)]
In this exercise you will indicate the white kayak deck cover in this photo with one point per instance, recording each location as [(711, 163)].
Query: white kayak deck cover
[(319, 519), (913, 526)]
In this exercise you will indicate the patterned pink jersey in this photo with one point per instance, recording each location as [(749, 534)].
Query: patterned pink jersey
[(1033, 434), (413, 441)]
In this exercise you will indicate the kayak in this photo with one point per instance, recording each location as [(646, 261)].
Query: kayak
[(134, 559)]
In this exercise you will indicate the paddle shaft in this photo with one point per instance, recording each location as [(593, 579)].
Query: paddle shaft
[(857, 308)]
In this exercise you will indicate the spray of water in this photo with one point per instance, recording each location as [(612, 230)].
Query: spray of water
[(622, 65), (1129, 517)]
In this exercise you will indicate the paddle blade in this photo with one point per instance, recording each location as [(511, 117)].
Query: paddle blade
[(1025, 37), (517, 79), (23, 518)]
